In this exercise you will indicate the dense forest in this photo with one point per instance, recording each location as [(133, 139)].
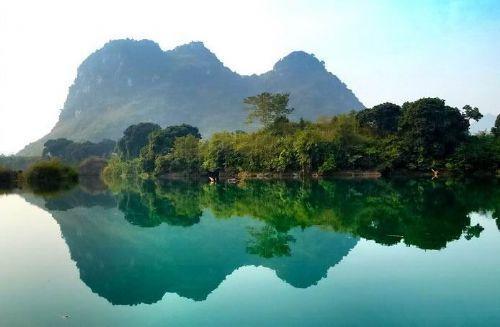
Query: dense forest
[(424, 136)]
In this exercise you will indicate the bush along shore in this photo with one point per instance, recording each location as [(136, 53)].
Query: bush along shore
[(421, 137), (44, 176)]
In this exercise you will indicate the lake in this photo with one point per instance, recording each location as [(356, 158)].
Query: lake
[(280, 253)]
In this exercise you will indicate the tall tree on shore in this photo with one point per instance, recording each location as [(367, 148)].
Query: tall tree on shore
[(472, 113), (496, 129), (382, 119), (161, 143), (431, 130), (134, 138), (268, 108)]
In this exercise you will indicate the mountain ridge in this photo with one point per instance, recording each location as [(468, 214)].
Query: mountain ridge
[(130, 81)]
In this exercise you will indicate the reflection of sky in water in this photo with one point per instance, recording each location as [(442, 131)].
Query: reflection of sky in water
[(373, 284)]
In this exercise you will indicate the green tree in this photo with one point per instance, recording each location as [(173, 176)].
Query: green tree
[(496, 129), (430, 131), (481, 153), (50, 176), (8, 178), (382, 119), (219, 153), (472, 113), (161, 143), (56, 148), (74, 152), (267, 108), (184, 157), (134, 138)]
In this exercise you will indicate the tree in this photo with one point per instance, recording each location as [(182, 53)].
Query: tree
[(219, 153), (472, 113), (161, 143), (382, 119), (134, 138), (430, 131), (481, 153), (50, 176), (74, 152), (496, 129), (268, 108), (8, 178), (56, 148), (184, 157)]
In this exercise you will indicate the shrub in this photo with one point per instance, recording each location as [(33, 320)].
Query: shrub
[(8, 178), (50, 175)]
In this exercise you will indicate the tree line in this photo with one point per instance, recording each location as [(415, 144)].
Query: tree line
[(421, 136), (74, 152)]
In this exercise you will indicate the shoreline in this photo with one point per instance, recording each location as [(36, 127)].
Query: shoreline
[(345, 174)]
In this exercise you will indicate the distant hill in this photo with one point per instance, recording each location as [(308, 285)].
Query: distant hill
[(128, 81), (484, 124)]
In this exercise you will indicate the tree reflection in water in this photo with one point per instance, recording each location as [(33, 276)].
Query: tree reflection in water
[(186, 237)]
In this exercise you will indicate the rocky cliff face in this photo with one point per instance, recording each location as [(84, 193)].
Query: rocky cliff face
[(129, 81)]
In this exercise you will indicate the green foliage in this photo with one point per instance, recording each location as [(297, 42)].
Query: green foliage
[(117, 170), (480, 154), (430, 131), (161, 143), (220, 153), (56, 148), (184, 157), (50, 176), (267, 108), (382, 119), (74, 152), (134, 138), (472, 113), (496, 129), (422, 135), (8, 178)]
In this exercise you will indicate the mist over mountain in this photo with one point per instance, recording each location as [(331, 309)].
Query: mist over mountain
[(128, 81)]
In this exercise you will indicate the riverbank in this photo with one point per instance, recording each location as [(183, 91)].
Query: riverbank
[(345, 174)]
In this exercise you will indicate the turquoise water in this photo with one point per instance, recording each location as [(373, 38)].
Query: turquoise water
[(343, 252)]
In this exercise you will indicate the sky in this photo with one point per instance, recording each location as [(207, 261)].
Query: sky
[(393, 50)]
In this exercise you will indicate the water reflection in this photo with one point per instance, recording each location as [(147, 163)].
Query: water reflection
[(143, 240)]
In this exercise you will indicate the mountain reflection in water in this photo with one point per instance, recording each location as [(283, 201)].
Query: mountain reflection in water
[(134, 243)]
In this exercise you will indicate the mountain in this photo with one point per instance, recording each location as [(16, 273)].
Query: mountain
[(484, 124), (129, 81)]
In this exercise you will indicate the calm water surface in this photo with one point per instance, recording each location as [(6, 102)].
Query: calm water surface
[(407, 252)]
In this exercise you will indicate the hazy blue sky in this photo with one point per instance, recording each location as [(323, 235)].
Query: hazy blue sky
[(383, 50)]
